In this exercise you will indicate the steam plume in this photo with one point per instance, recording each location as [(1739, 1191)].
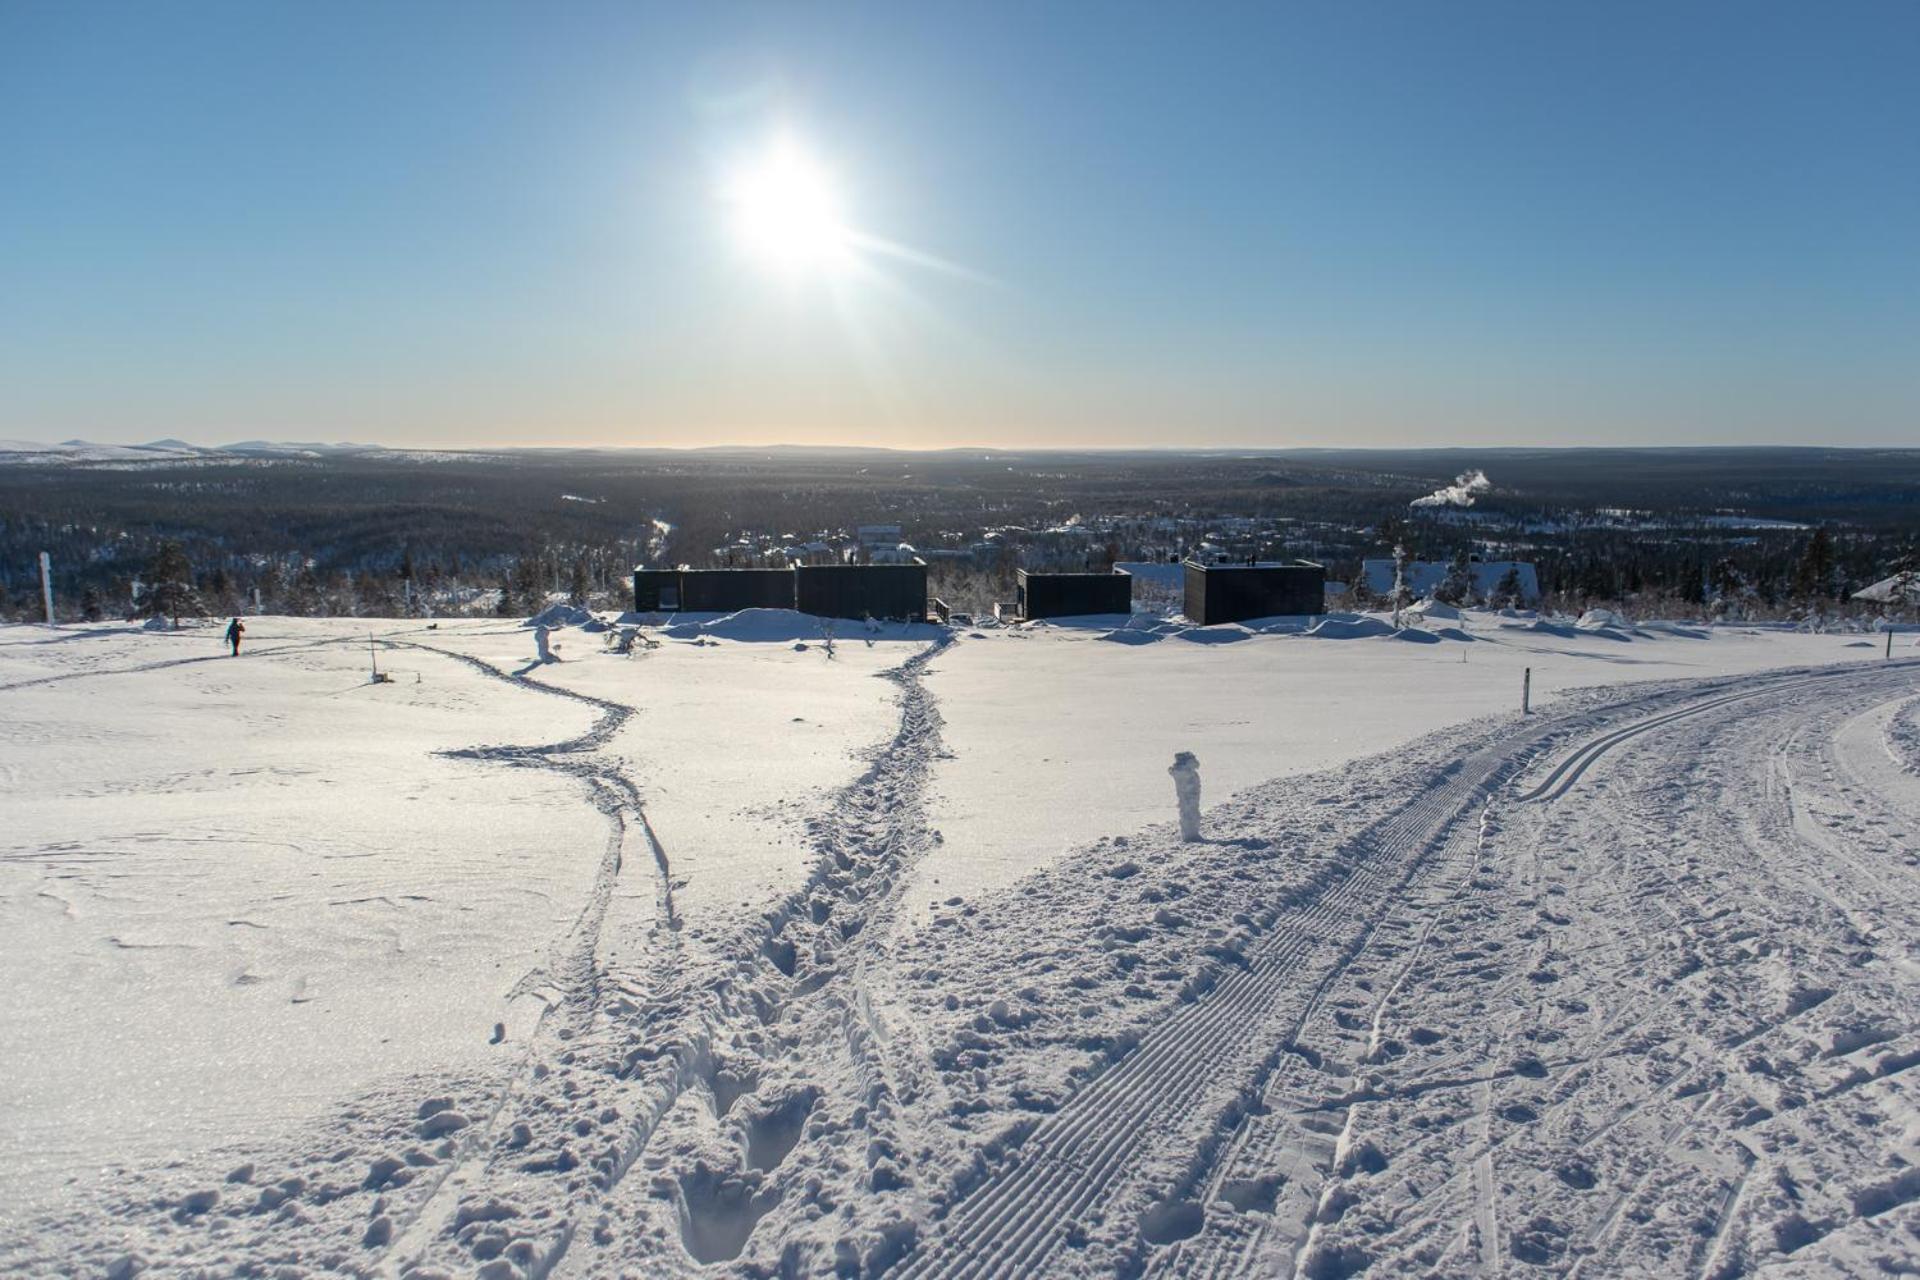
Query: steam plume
[(1467, 486)]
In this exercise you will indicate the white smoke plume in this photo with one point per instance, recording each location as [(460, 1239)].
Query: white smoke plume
[(1467, 486)]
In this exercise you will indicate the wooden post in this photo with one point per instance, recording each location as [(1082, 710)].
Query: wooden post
[(1889, 628), (1526, 693)]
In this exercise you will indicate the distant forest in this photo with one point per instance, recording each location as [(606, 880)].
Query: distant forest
[(1771, 532)]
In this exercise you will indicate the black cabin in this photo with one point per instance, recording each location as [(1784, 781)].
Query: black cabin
[(1067, 595), (862, 590), (1239, 592)]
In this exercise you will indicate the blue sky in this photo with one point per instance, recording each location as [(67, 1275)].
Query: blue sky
[(1268, 225)]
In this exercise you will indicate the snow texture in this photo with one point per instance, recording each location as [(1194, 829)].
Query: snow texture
[(736, 956)]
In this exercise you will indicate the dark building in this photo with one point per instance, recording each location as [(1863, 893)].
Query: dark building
[(711, 590), (862, 590), (656, 590), (1237, 592), (1067, 595), (728, 590)]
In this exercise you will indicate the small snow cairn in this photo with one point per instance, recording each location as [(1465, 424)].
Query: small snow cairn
[(1186, 789)]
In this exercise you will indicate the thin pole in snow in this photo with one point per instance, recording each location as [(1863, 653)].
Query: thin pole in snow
[(374, 656), (1889, 630), (1526, 693), (46, 585)]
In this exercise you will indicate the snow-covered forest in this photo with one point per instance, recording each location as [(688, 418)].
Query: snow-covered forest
[(1760, 533)]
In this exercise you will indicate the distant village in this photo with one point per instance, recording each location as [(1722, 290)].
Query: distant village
[(370, 535)]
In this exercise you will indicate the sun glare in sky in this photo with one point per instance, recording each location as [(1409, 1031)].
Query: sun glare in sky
[(786, 213)]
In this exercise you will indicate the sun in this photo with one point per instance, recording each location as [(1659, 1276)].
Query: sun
[(785, 212)]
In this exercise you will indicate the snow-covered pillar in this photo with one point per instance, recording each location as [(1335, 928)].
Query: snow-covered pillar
[(540, 636), (46, 584), (1186, 789)]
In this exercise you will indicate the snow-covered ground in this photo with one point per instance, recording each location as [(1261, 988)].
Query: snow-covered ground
[(1097, 722), (751, 953)]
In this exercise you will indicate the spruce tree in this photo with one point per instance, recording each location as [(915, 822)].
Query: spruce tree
[(1457, 587), (170, 590), (1507, 592)]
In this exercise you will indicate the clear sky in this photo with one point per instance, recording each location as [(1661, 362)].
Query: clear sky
[(1342, 223)]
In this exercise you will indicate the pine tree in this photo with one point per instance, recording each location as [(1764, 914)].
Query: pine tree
[(1813, 575), (529, 590), (170, 590), (305, 600)]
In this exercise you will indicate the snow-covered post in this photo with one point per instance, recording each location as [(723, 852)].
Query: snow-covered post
[(1186, 789), (46, 584), (1526, 693), (540, 640)]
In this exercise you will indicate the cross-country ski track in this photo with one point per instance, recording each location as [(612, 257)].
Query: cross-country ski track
[(1629, 987)]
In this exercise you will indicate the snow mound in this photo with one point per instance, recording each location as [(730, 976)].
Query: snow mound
[(1353, 628), (1141, 629), (1229, 634), (560, 615), (1436, 609), (1594, 619), (1678, 630), (1281, 626), (784, 626), (1130, 635), (1078, 622), (1541, 626), (156, 624)]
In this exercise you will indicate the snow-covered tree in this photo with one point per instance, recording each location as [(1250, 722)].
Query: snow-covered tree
[(1729, 586), (1402, 594)]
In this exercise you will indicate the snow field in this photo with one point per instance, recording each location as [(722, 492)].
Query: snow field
[(237, 892), (1059, 739), (894, 962)]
